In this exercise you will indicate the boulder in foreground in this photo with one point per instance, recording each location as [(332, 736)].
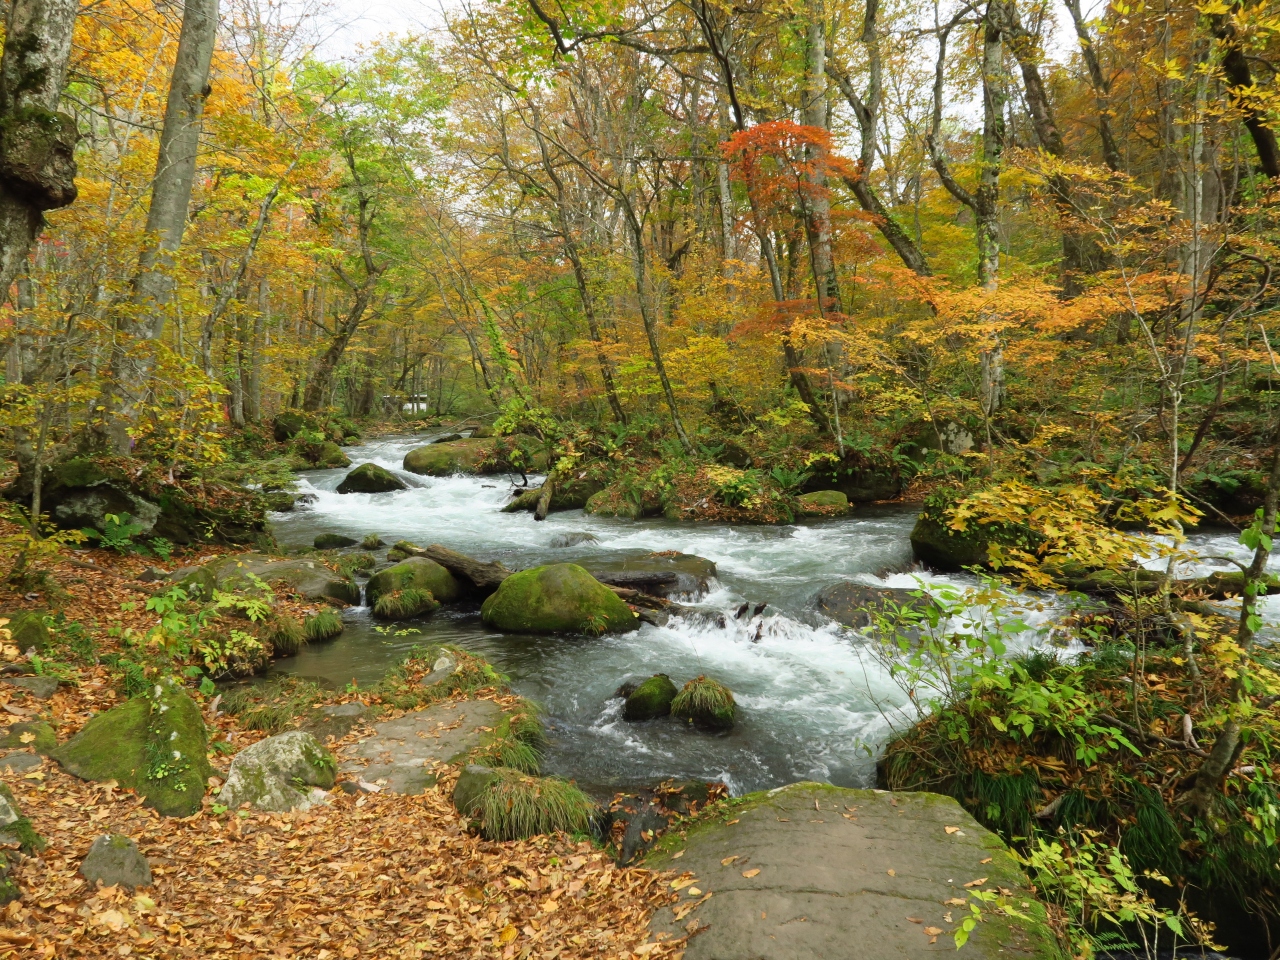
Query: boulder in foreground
[(115, 860), (560, 598), (279, 774), (415, 573), (155, 744), (370, 478), (871, 873), (650, 700)]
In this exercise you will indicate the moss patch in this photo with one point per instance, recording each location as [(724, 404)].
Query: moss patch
[(650, 700), (561, 597)]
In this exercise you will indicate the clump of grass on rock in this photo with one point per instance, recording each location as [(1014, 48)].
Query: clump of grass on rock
[(707, 703), (516, 743), (516, 806), (400, 604), (322, 625)]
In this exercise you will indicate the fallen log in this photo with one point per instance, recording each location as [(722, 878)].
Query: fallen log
[(485, 577)]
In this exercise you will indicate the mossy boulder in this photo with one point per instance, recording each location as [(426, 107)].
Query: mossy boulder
[(706, 703), (27, 629), (650, 700), (562, 597), (280, 773), (940, 546), (38, 735), (565, 495), (289, 423), (327, 456), (662, 574), (823, 503), (446, 459), (310, 579), (400, 550), (332, 541), (415, 573), (15, 827), (862, 476), (155, 744), (861, 605), (370, 478)]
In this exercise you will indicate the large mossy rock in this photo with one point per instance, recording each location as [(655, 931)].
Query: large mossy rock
[(79, 492), (370, 478), (565, 495), (560, 598), (155, 744), (27, 630), (650, 700), (861, 476), (455, 457), (289, 424), (309, 579), (868, 872), (936, 544), (280, 774), (416, 573), (823, 503)]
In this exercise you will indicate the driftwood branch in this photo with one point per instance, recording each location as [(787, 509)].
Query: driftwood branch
[(485, 577)]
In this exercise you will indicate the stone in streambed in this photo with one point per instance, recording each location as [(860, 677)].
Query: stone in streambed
[(332, 541), (286, 772), (446, 459), (823, 503), (706, 703), (42, 688), (115, 860), (562, 597), (859, 605), (155, 744), (370, 478), (661, 574), (876, 878), (650, 699), (310, 579), (415, 573), (562, 540)]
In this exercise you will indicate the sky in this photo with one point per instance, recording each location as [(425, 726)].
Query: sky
[(351, 23)]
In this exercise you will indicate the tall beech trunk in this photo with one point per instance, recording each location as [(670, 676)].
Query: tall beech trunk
[(818, 203), (1235, 67), (140, 323), (1101, 86), (37, 143)]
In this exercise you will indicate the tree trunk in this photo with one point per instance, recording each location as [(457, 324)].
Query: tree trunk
[(818, 204), (320, 384), (153, 284), (1101, 87), (1235, 66), (37, 143), (253, 397)]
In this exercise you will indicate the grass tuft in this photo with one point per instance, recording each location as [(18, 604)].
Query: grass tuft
[(285, 634), (371, 542), (400, 604), (518, 806), (516, 743), (271, 706), (324, 625), (705, 701)]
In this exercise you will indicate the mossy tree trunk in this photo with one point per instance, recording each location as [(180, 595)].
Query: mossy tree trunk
[(37, 144)]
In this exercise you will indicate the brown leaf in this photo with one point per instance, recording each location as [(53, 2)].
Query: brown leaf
[(976, 883), (754, 871)]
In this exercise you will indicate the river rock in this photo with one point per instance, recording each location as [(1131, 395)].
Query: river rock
[(562, 540), (404, 753), (446, 459), (27, 630), (37, 735), (370, 478), (332, 541), (115, 860), (823, 503), (661, 574), (562, 597), (706, 703), (472, 783), (310, 579), (272, 774), (565, 495), (42, 688), (861, 478), (155, 744), (650, 700), (858, 604), (417, 573), (812, 872)]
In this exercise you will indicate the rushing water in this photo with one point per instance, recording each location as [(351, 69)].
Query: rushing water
[(813, 702)]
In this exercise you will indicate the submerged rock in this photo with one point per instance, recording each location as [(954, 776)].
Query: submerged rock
[(415, 573), (115, 860), (562, 597), (332, 541), (858, 605), (370, 478), (562, 540), (154, 744), (274, 774), (650, 700)]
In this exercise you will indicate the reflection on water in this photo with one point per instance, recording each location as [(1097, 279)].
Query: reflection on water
[(814, 704)]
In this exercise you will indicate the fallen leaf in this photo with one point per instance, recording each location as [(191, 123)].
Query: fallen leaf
[(508, 934), (976, 883), (933, 931), (751, 873), (952, 829), (915, 919), (892, 872), (682, 882), (695, 892), (728, 860), (730, 823), (27, 737), (955, 902), (933, 939), (677, 855), (988, 860)]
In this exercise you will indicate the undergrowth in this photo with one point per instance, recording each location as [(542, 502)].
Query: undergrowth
[(517, 806)]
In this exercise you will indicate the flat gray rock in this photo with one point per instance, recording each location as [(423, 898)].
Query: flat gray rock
[(115, 859), (42, 688), (18, 761), (343, 710), (402, 752), (835, 873)]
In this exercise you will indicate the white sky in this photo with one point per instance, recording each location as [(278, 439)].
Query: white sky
[(351, 23)]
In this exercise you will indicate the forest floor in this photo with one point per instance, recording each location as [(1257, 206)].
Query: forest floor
[(366, 875)]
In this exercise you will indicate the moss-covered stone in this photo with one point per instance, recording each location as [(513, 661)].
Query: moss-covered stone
[(943, 548), (332, 541), (370, 478), (650, 700), (328, 456), (37, 735), (706, 703), (289, 423), (561, 597), (446, 459), (155, 744), (565, 495), (15, 827), (236, 572), (403, 604), (27, 629), (415, 573), (277, 774), (823, 503)]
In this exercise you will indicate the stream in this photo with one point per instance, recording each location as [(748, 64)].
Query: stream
[(814, 703)]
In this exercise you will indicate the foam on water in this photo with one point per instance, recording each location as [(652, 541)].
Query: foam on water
[(815, 702)]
